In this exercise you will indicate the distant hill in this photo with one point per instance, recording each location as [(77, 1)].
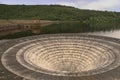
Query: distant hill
[(50, 12), (97, 19), (75, 20)]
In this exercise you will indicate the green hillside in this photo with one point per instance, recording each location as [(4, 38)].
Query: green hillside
[(50, 12), (86, 20)]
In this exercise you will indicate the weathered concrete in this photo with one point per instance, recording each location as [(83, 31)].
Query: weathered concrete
[(63, 57)]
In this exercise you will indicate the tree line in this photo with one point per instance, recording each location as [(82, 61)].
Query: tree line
[(97, 19)]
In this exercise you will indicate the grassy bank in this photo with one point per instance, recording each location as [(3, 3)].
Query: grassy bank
[(73, 20), (50, 12)]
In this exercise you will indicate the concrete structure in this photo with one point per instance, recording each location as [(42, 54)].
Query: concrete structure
[(23, 25), (35, 28), (62, 57)]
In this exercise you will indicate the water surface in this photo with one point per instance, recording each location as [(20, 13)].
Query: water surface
[(114, 33), (67, 27)]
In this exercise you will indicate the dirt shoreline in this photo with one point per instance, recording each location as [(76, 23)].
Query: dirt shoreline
[(16, 22), (13, 26)]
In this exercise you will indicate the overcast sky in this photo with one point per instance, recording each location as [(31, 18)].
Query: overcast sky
[(109, 5)]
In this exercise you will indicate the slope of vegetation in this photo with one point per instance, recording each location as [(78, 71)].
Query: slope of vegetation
[(50, 12), (57, 12), (88, 20)]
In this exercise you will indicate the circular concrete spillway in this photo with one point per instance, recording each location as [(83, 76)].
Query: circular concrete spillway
[(68, 55), (73, 55)]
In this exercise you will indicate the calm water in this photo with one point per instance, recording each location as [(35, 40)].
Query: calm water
[(114, 33), (73, 27), (81, 28)]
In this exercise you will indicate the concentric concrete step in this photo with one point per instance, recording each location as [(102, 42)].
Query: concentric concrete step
[(63, 57)]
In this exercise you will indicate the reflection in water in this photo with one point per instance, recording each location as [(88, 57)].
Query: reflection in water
[(114, 34), (73, 27), (81, 28), (68, 27)]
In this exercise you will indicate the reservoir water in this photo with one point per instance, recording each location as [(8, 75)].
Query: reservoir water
[(67, 27), (81, 28), (114, 33)]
